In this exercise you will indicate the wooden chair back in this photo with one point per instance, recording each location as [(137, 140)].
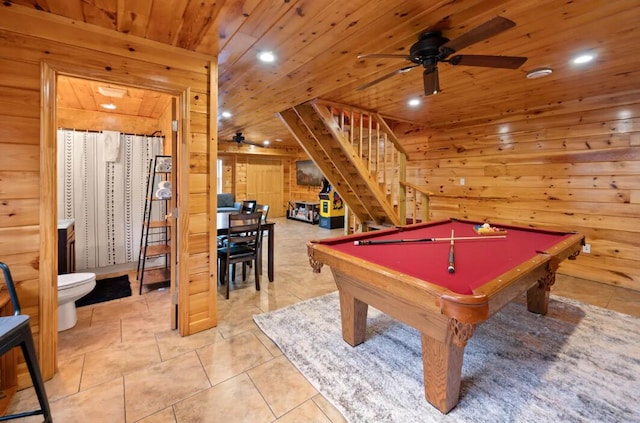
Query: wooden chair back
[(242, 245), (248, 206)]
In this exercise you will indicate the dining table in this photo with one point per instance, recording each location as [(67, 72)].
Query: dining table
[(222, 225)]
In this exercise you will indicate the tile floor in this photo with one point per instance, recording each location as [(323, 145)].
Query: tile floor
[(122, 363)]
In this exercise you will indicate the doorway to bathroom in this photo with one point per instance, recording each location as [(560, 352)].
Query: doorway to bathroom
[(107, 134)]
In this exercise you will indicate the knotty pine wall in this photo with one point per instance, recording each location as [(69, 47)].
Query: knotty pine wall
[(573, 166), (32, 46)]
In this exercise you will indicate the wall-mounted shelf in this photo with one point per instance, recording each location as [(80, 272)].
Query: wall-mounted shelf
[(305, 211)]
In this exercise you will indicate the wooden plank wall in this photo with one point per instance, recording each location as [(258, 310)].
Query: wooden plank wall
[(28, 39), (234, 175), (575, 166)]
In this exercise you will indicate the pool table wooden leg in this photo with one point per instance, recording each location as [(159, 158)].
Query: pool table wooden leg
[(538, 295), (442, 363), (354, 318)]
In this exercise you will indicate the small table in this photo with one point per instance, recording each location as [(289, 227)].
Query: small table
[(410, 281), (222, 224)]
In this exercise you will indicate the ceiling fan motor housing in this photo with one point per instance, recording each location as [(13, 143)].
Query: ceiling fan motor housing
[(426, 50)]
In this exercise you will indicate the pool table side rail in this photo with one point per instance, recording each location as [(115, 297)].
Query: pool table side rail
[(538, 271), (397, 284)]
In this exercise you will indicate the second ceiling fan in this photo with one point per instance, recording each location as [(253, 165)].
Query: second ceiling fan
[(432, 48), (238, 138)]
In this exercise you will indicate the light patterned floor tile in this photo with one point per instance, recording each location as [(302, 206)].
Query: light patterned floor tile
[(164, 416), (156, 387), (171, 344), (76, 342), (236, 400), (625, 301), (328, 409), (116, 310), (105, 364), (101, 404), (230, 357), (308, 412), (281, 384)]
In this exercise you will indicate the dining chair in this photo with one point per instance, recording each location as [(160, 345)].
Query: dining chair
[(242, 245), (15, 331), (264, 209), (248, 206)]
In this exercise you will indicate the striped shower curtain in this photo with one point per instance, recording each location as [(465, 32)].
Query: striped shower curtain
[(102, 186)]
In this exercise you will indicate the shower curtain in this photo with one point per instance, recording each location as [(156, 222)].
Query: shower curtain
[(102, 186)]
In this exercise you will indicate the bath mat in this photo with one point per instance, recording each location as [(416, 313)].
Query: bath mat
[(107, 290)]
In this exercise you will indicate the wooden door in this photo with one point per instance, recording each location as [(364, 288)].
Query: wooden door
[(265, 183)]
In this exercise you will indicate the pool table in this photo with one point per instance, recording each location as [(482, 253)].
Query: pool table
[(409, 280)]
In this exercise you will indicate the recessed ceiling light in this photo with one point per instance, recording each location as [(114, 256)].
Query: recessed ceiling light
[(109, 106), (584, 58), (539, 73), (112, 92), (414, 102), (265, 142), (226, 114), (267, 56)]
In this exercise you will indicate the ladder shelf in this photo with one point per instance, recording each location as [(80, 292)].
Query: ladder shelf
[(155, 236)]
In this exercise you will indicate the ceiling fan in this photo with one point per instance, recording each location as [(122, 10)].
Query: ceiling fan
[(238, 138), (432, 48)]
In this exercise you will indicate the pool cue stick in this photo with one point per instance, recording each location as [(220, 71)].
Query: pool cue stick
[(447, 239), (451, 267)]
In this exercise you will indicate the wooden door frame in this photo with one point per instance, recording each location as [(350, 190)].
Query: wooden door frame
[(48, 215)]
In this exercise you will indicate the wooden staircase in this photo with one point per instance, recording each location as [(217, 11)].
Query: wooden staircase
[(360, 156)]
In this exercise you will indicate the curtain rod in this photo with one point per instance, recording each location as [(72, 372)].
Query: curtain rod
[(122, 133)]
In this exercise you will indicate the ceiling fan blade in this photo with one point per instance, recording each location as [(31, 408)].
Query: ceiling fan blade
[(506, 62), (239, 143), (385, 56), (431, 81), (387, 76), (477, 34)]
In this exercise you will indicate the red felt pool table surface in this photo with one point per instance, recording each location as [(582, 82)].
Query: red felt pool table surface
[(476, 261)]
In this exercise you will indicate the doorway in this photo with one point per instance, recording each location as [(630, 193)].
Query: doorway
[(48, 209), (107, 136)]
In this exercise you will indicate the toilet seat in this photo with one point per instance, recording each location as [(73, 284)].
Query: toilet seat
[(71, 280)]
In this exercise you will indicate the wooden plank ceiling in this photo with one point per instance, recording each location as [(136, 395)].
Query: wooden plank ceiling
[(316, 44)]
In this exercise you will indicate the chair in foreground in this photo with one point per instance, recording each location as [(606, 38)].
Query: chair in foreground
[(16, 331), (242, 245)]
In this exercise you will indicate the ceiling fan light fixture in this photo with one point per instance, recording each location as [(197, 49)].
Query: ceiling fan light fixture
[(112, 92), (539, 73), (109, 106)]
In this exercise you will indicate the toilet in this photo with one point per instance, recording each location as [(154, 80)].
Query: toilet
[(72, 287)]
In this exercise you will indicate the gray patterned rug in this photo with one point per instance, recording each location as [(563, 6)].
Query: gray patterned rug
[(577, 364)]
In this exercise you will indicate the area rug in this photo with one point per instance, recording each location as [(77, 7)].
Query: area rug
[(107, 290), (577, 364)]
